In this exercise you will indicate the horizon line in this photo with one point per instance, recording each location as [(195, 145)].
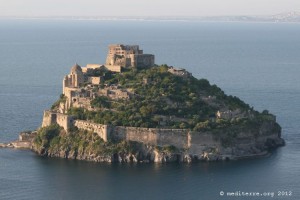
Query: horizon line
[(147, 16)]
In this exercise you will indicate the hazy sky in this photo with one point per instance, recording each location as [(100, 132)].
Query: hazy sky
[(145, 7)]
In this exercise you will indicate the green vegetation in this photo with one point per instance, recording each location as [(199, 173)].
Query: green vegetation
[(165, 101), (61, 99), (46, 134), (100, 72), (54, 139), (101, 102)]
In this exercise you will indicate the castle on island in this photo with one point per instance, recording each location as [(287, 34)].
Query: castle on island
[(81, 86), (85, 84)]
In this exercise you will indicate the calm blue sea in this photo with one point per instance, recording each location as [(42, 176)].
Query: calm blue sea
[(259, 62)]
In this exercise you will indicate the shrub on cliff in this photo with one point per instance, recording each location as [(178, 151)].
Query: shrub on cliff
[(100, 102), (62, 99), (53, 141), (45, 135)]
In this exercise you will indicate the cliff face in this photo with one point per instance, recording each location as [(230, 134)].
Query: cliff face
[(247, 142)]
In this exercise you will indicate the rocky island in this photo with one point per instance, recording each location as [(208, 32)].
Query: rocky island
[(131, 110)]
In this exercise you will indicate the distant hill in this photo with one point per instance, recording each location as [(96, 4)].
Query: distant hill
[(282, 17), (292, 17)]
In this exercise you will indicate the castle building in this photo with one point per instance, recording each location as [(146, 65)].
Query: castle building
[(119, 56), (91, 67), (128, 56), (74, 79), (71, 84)]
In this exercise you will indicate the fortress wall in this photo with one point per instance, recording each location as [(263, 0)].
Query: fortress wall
[(144, 60), (67, 121), (64, 121), (100, 129), (144, 135), (175, 137), (118, 132), (152, 136), (180, 138), (199, 142), (113, 68), (48, 118)]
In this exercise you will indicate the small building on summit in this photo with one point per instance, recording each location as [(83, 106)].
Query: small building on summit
[(128, 56), (179, 72)]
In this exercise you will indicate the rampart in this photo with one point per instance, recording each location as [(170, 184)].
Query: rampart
[(62, 120), (100, 129), (152, 136), (180, 138), (200, 141)]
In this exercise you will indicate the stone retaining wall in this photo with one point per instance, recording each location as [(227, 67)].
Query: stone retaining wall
[(100, 129)]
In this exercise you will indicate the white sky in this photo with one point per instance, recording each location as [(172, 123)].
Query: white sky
[(145, 7)]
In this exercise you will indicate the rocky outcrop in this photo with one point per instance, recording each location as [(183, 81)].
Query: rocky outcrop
[(17, 144), (246, 144), (25, 141), (206, 146)]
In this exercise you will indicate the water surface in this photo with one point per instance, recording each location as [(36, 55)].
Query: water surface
[(258, 62)]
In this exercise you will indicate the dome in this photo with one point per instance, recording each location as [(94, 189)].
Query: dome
[(76, 69)]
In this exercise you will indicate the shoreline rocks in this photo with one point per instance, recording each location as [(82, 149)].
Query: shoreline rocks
[(153, 157), (17, 145), (261, 147)]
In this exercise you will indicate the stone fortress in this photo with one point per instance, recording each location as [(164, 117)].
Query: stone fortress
[(119, 56), (80, 88), (128, 56), (79, 91)]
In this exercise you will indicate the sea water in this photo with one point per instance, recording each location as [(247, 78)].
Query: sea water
[(258, 62)]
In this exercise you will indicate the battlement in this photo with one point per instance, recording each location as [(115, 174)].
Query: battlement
[(180, 138), (62, 120), (152, 136), (100, 129), (128, 56)]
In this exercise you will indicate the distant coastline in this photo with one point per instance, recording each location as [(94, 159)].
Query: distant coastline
[(289, 17)]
